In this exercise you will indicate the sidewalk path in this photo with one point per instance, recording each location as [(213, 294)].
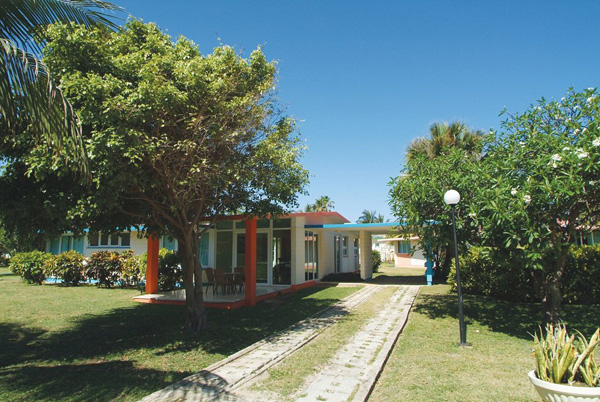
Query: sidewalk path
[(217, 381), (352, 373)]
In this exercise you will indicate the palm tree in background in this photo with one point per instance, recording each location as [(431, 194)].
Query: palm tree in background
[(444, 135), (370, 217), (29, 101), (322, 204)]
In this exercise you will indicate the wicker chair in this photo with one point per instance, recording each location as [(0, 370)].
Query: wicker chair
[(210, 280), (240, 278), (221, 280)]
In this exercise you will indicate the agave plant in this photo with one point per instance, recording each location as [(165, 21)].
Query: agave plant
[(564, 359)]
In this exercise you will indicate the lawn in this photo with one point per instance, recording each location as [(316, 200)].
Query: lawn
[(85, 343), (426, 363)]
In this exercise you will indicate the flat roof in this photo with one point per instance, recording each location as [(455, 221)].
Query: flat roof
[(374, 228)]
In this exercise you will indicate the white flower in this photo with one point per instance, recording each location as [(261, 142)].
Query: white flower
[(596, 142), (556, 158), (591, 88), (577, 131), (513, 191), (593, 182), (581, 153), (553, 164), (566, 149), (527, 199), (591, 99), (473, 215)]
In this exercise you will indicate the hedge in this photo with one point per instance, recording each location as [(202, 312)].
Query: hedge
[(31, 266), (501, 274)]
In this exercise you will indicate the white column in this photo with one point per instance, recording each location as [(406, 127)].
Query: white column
[(298, 256), (366, 255)]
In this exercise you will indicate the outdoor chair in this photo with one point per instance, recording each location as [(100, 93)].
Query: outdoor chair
[(210, 280), (221, 280), (240, 278)]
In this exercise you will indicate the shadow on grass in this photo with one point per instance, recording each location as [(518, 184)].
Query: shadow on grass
[(40, 364), (89, 382), (399, 280), (515, 319)]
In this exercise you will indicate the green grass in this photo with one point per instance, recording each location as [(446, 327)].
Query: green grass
[(426, 363), (388, 274), (84, 343), (287, 377)]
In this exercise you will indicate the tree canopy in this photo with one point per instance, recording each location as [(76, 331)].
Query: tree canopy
[(368, 216), (321, 204), (175, 138), (541, 180)]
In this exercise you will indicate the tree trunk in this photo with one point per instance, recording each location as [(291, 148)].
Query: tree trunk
[(192, 282), (553, 289)]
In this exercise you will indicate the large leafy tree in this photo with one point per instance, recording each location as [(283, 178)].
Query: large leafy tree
[(30, 102), (445, 160), (175, 138), (417, 199), (542, 175)]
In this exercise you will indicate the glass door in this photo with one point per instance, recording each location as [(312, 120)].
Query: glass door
[(262, 258)]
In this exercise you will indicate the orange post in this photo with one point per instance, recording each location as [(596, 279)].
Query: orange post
[(250, 271), (152, 265)]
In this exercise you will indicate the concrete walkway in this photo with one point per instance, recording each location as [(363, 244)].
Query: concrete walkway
[(360, 363)]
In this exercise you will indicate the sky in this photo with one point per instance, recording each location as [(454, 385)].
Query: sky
[(364, 78)]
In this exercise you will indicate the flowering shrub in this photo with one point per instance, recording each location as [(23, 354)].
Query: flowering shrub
[(67, 266), (105, 267), (30, 266)]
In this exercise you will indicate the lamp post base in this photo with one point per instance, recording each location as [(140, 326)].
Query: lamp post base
[(465, 345)]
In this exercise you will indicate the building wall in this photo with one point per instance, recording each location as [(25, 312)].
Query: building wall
[(406, 260)]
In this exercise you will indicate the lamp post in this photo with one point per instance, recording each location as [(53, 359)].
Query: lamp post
[(452, 197)]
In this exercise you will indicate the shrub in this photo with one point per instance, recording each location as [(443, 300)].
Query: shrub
[(105, 267), (67, 266), (133, 269), (170, 272), (376, 260), (500, 274), (30, 266)]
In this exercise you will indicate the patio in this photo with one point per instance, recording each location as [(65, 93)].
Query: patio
[(218, 300)]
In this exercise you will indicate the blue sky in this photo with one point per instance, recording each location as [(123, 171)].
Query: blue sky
[(367, 77)]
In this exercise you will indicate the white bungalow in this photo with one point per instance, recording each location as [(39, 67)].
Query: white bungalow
[(278, 255)]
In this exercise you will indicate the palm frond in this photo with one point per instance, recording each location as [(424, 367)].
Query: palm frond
[(22, 20), (27, 94)]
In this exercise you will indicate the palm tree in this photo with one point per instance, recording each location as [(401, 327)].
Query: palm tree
[(322, 204), (444, 135), (370, 217), (28, 96)]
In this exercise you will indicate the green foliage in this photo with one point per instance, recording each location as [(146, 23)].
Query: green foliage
[(370, 217), (376, 255), (496, 273), (133, 270), (67, 266), (540, 179), (561, 359), (30, 266), (417, 199), (170, 273), (502, 273), (105, 267), (322, 204)]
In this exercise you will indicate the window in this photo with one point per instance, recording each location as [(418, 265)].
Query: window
[(404, 247), (106, 240), (345, 246), (356, 247)]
